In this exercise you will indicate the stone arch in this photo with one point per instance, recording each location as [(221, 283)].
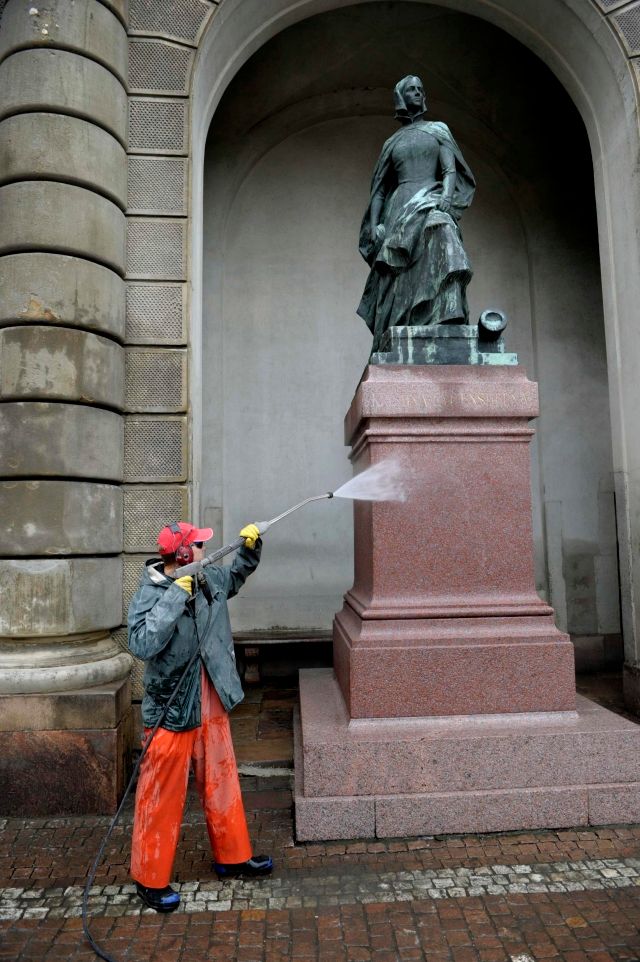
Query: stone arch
[(598, 68)]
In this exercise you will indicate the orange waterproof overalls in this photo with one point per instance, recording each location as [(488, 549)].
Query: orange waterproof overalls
[(162, 790)]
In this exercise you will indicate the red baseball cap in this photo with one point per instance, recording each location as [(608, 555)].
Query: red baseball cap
[(181, 533)]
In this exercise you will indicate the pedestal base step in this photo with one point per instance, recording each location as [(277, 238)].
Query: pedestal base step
[(401, 777)]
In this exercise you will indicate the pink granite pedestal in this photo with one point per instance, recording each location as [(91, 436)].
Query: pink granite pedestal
[(453, 703)]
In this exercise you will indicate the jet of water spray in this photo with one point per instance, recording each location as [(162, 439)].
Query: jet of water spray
[(385, 481), (381, 482)]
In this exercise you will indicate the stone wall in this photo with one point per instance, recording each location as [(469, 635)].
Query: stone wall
[(94, 306), (63, 123), (163, 39), (62, 262)]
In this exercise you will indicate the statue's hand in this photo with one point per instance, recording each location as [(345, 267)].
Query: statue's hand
[(379, 234), (444, 204)]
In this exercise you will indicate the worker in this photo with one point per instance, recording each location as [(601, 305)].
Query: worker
[(168, 619)]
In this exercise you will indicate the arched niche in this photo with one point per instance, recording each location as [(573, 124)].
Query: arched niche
[(584, 55)]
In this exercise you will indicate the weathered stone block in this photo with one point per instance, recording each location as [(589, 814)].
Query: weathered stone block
[(462, 812), (59, 517), (61, 596), (64, 772), (157, 66), (60, 440), (60, 289), (156, 449), (181, 19), (40, 146), (84, 26), (158, 125), (156, 248), (50, 363), (460, 774), (155, 380), (335, 818), (158, 185), (57, 80), (88, 708), (43, 215), (156, 313), (321, 818), (146, 510), (610, 804)]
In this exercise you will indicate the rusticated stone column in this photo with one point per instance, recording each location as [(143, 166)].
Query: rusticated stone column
[(64, 688)]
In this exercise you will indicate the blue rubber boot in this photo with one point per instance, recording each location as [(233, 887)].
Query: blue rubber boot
[(253, 868), (161, 900)]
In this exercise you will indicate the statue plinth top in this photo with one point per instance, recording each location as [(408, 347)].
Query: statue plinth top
[(447, 343)]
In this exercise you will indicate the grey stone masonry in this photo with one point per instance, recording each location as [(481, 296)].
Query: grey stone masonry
[(163, 36), (63, 193)]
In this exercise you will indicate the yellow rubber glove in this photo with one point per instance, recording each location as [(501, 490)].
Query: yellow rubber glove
[(250, 533), (186, 582)]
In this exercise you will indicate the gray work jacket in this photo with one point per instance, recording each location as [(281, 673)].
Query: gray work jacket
[(162, 632)]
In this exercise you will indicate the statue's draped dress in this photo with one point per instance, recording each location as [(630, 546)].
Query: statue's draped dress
[(420, 270)]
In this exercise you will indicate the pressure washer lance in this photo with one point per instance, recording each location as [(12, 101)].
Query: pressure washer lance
[(195, 568), (262, 526)]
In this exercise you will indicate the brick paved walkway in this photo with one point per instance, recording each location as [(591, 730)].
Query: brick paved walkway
[(570, 896), (565, 896)]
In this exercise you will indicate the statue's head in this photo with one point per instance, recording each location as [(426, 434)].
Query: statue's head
[(409, 99)]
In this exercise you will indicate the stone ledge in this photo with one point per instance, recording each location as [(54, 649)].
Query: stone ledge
[(87, 708), (458, 775), (472, 812)]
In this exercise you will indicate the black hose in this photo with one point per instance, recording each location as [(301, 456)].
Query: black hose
[(94, 868)]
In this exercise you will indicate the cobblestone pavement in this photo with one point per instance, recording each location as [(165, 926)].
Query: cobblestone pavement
[(315, 891), (566, 896)]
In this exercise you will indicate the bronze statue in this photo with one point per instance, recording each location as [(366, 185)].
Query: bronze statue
[(410, 236)]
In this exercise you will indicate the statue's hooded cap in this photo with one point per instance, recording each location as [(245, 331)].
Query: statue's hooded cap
[(402, 112)]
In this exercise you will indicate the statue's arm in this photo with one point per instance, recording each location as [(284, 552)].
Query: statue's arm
[(377, 203), (384, 183), (372, 230), (448, 168)]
